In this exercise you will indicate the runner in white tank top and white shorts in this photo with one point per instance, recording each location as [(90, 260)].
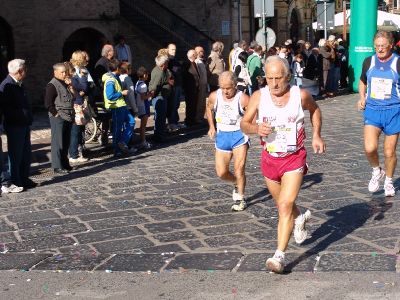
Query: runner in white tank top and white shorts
[(280, 125)]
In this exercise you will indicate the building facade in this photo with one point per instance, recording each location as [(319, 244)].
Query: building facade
[(45, 31)]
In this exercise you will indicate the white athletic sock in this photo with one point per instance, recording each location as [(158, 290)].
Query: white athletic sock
[(376, 170), (279, 254), (388, 180)]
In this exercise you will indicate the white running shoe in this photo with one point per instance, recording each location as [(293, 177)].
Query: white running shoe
[(79, 159), (239, 205), (389, 189), (275, 264), (11, 189), (373, 185), (300, 232)]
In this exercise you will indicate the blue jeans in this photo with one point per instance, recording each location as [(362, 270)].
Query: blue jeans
[(121, 131), (19, 153), (76, 140), (160, 111), (129, 127)]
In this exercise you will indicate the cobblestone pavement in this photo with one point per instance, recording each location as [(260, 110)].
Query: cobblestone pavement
[(165, 210)]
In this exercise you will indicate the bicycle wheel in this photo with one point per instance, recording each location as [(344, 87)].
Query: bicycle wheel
[(90, 130)]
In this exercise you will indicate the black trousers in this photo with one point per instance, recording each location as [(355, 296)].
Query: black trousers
[(60, 140)]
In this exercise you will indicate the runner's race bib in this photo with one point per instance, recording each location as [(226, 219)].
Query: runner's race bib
[(381, 88), (282, 139)]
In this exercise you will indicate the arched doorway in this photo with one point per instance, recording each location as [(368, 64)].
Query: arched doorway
[(294, 25), (6, 47), (86, 39)]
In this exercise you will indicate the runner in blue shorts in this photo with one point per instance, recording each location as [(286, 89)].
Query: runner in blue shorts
[(225, 109), (379, 90)]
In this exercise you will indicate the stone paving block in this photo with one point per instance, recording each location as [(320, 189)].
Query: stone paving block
[(265, 245), (20, 202), (175, 236), (4, 227), (167, 248), (41, 244), (229, 240), (136, 262), (357, 262), (51, 230), (117, 222), (209, 195), (72, 262), (220, 209), (337, 204), (33, 216), (231, 229), (163, 201), (377, 233), (108, 234), (177, 185), (219, 220), (82, 210), (46, 223), (260, 211), (7, 237), (179, 214), (205, 261), (78, 250), (121, 205), (17, 210), (130, 190), (107, 215), (91, 195), (123, 245), (151, 211), (353, 248), (165, 226), (20, 261), (172, 192), (265, 235), (87, 188), (389, 243), (194, 244)]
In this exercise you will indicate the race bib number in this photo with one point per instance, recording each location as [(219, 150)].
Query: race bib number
[(282, 139), (381, 88)]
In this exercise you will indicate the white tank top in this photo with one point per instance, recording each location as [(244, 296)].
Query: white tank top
[(228, 114), (288, 123)]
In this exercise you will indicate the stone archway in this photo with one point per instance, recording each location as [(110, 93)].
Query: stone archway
[(85, 39), (6, 47), (294, 25)]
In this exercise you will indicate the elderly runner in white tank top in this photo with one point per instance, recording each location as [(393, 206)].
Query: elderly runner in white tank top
[(280, 125), (226, 107)]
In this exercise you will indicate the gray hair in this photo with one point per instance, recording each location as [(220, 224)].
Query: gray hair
[(321, 43), (230, 75), (15, 65), (106, 48), (218, 47), (384, 34), (283, 61), (161, 60), (59, 66)]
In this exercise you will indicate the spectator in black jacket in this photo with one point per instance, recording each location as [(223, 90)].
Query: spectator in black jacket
[(17, 112)]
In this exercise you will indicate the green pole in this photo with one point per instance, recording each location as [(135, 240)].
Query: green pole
[(364, 14)]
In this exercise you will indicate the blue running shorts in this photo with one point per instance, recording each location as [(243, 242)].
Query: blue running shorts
[(386, 119), (226, 141)]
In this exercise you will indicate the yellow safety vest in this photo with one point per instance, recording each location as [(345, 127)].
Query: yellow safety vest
[(120, 102)]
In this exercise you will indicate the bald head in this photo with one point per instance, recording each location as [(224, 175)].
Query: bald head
[(191, 55)]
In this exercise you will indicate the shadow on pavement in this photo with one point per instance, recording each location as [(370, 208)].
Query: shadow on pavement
[(342, 222)]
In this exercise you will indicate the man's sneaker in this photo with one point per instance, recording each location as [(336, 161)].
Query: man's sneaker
[(373, 185), (145, 145), (11, 189), (181, 125), (389, 189), (173, 127), (275, 264), (79, 159), (300, 232), (123, 147), (235, 194), (239, 205)]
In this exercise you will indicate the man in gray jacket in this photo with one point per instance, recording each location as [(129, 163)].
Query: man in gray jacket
[(59, 103)]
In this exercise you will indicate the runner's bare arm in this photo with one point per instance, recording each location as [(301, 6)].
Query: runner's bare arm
[(362, 89), (210, 116), (309, 104)]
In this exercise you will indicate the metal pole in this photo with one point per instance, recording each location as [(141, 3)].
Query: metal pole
[(325, 22), (240, 20), (264, 23), (344, 21)]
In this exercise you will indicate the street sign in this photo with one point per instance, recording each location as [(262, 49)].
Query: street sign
[(268, 8), (330, 15), (271, 37)]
